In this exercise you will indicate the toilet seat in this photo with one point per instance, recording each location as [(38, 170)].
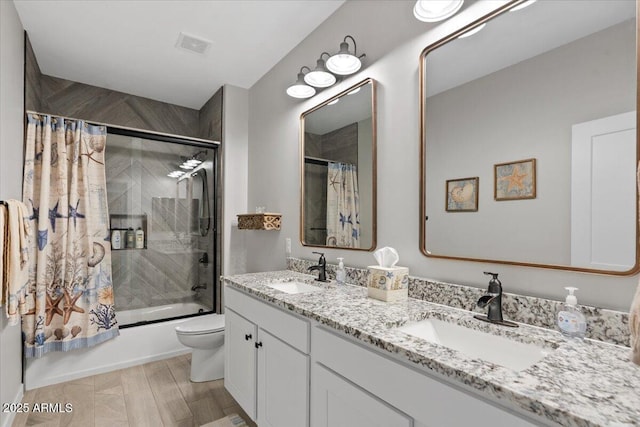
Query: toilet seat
[(198, 326)]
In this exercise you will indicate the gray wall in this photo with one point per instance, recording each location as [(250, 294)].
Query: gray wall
[(587, 79), (53, 95), (11, 136), (393, 40)]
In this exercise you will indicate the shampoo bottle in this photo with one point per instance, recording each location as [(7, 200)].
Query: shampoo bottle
[(341, 274), (130, 238), (139, 238), (115, 240), (571, 321)]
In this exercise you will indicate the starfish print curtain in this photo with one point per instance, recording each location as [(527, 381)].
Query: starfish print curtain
[(343, 207), (68, 300)]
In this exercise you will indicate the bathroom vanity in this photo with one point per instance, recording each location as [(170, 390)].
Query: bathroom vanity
[(326, 355)]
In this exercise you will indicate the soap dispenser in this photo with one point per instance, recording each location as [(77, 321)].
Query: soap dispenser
[(571, 321), (341, 274)]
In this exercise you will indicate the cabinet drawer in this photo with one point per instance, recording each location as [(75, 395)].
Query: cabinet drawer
[(429, 400), (337, 402), (289, 328)]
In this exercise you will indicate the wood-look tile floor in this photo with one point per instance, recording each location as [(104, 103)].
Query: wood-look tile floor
[(155, 394)]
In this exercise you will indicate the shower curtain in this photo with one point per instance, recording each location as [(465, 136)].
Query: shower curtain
[(69, 296), (343, 207)]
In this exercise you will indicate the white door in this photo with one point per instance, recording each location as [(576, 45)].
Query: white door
[(603, 193), (283, 384), (340, 403), (240, 360)]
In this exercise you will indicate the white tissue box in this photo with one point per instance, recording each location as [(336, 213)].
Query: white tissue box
[(388, 283)]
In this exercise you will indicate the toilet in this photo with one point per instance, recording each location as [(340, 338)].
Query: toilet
[(205, 335)]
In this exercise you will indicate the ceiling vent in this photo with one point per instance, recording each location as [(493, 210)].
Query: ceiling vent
[(193, 44)]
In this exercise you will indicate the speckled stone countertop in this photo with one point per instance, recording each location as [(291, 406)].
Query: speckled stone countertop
[(580, 382)]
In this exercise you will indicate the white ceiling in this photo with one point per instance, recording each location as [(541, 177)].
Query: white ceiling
[(129, 46), (516, 36)]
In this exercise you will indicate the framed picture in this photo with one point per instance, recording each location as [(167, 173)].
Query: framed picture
[(462, 195), (515, 180)]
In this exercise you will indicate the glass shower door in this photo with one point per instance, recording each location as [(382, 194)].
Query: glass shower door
[(160, 196)]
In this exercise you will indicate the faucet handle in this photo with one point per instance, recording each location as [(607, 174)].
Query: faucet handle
[(495, 286), (321, 256)]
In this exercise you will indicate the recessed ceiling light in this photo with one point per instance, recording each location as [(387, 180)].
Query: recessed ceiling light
[(436, 10)]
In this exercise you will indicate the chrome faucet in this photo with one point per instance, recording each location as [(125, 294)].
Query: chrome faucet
[(493, 300), (321, 267)]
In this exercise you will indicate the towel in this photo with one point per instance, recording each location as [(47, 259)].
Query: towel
[(14, 255)]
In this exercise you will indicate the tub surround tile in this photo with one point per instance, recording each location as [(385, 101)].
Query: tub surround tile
[(603, 325), (580, 383)]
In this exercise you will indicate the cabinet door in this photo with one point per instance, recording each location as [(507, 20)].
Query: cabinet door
[(337, 402), (240, 361), (283, 384)]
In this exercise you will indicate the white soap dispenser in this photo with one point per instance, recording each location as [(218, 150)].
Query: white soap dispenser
[(571, 321), (341, 274)]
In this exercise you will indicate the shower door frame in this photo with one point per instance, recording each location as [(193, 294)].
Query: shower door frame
[(193, 142)]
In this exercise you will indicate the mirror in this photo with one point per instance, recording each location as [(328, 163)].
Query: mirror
[(338, 170), (528, 138)]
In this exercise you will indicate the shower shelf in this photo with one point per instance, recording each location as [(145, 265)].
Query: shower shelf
[(259, 221)]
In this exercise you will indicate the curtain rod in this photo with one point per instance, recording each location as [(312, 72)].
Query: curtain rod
[(209, 141)]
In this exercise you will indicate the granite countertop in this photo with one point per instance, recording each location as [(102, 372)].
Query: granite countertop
[(579, 383)]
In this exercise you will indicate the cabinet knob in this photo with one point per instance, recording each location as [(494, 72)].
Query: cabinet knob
[(258, 344), (247, 337)]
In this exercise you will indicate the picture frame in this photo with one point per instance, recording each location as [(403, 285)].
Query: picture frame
[(462, 194), (515, 180)]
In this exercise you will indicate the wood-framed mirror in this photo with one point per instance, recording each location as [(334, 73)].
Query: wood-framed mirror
[(338, 170), (529, 143)]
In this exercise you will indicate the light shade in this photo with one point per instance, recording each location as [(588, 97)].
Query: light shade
[(523, 5), (300, 89), (436, 10), (345, 62), (320, 77), (472, 31)]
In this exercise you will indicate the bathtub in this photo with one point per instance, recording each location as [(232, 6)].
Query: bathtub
[(151, 314), (134, 346)]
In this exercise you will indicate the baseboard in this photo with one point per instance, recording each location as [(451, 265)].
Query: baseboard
[(10, 416), (103, 369)]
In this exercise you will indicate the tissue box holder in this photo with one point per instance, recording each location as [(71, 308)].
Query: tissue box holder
[(388, 283)]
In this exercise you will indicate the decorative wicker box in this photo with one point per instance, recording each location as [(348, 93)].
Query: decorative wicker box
[(388, 283), (259, 221)]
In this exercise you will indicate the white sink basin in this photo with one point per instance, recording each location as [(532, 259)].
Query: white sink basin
[(477, 344), (294, 287)]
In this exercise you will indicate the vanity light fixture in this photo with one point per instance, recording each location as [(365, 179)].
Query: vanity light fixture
[(344, 62), (356, 90), (523, 5), (320, 77), (335, 101), (300, 89), (436, 10), (175, 174), (472, 31), (324, 75)]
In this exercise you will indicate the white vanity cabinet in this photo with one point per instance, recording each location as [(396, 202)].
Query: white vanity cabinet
[(338, 402), (353, 382), (266, 361)]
